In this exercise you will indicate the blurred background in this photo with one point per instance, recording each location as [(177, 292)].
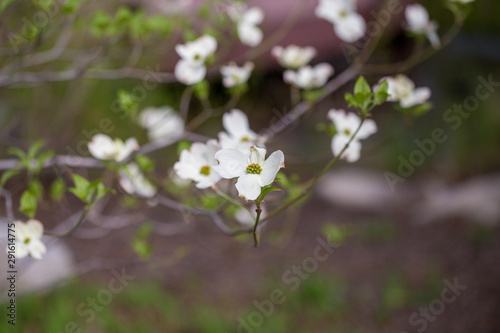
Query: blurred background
[(395, 246)]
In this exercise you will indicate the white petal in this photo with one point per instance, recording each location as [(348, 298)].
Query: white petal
[(130, 146), (232, 163), (102, 147), (257, 155), (368, 128), (36, 249), (416, 16), (249, 34), (273, 164), (253, 16), (433, 38), (208, 181), (352, 153), (350, 28), (21, 250), (35, 229), (236, 123), (249, 186), (188, 73)]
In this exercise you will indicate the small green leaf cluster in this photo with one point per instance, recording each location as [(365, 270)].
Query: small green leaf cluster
[(89, 192), (364, 99)]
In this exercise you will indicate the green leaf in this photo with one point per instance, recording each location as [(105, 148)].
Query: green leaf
[(381, 94), (70, 6), (145, 163), (349, 98), (41, 159), (36, 188), (421, 109), (127, 102), (335, 234), (17, 152), (4, 4), (80, 182), (266, 190), (101, 24), (57, 189), (362, 86), (159, 24), (7, 175), (28, 204)]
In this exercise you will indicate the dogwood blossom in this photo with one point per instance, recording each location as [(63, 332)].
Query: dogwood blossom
[(402, 89), (28, 239), (133, 181), (238, 134), (161, 123), (252, 169), (247, 218), (104, 148), (293, 56), (232, 75), (417, 18), (197, 164), (349, 26), (346, 125), (191, 68), (308, 77), (247, 21)]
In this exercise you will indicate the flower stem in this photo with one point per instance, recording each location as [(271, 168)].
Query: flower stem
[(85, 211), (258, 210)]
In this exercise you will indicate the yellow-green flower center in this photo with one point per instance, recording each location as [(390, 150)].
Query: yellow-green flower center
[(245, 139), (347, 132), (205, 170), (254, 168), (197, 57), (27, 240), (343, 13)]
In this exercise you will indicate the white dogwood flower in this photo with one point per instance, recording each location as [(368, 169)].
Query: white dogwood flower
[(402, 89), (133, 181), (308, 77), (104, 148), (28, 239), (252, 170), (349, 26), (233, 75), (161, 123), (293, 56), (238, 134), (247, 21), (418, 22), (346, 125), (190, 69), (197, 164)]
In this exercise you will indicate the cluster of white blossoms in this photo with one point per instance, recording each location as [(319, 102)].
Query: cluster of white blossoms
[(28, 240), (402, 90), (349, 26), (104, 148), (346, 125), (161, 123), (235, 156), (299, 73), (247, 21), (191, 69), (233, 75), (418, 22)]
